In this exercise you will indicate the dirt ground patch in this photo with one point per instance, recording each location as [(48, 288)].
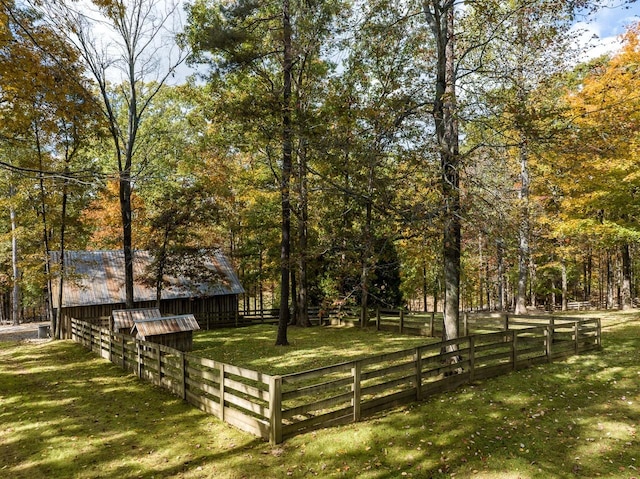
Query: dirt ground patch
[(21, 332)]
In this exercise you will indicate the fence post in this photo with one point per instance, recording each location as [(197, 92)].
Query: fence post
[(183, 372), (110, 346), (549, 334), (576, 331), (401, 321), (356, 371), (139, 359), (432, 319), (124, 354), (514, 348), (275, 409), (418, 361), (378, 318), (221, 398), (159, 364), (472, 358), (505, 319), (599, 333)]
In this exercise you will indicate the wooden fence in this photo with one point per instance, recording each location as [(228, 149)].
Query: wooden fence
[(279, 407)]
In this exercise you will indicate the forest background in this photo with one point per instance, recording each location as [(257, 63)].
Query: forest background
[(430, 155)]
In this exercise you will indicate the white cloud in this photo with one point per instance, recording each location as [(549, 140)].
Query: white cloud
[(601, 32)]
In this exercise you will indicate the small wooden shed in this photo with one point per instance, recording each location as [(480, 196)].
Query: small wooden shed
[(173, 331), (123, 319)]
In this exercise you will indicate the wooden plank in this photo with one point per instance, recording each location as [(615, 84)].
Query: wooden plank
[(205, 362), (315, 373), (445, 384), (317, 388), (398, 368), (275, 408), (205, 388), (387, 402), (322, 420), (490, 347), (247, 423), (540, 351), (246, 389), (445, 368), (493, 357), (317, 405), (408, 381), (484, 372), (443, 357), (212, 376), (246, 373), (356, 372), (405, 353), (203, 403), (258, 409)]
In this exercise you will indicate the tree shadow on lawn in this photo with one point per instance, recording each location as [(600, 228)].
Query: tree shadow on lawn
[(574, 418), (66, 413), (254, 346)]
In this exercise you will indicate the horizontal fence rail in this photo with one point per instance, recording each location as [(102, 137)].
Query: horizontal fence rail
[(279, 407), (238, 396)]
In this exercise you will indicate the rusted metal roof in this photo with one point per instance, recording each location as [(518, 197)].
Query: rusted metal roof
[(124, 318), (97, 278), (145, 328)]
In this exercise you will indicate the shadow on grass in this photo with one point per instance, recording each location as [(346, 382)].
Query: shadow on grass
[(575, 418), (254, 347), (66, 413)]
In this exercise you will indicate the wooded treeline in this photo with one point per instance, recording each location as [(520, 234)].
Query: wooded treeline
[(343, 153)]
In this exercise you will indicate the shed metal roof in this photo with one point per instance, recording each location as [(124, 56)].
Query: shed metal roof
[(124, 318), (145, 328), (97, 278)]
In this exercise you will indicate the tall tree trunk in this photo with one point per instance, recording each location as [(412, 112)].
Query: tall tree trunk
[(501, 286), (610, 295), (367, 248), (160, 266), (287, 134), (424, 288), (15, 298), (626, 277), (293, 292), (303, 220), (565, 299), (56, 326), (523, 231), (45, 231), (440, 16), (125, 210)]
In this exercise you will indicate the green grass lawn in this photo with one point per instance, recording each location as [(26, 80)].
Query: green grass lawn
[(309, 348), (64, 413)]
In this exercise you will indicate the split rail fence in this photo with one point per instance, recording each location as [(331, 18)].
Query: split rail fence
[(279, 407)]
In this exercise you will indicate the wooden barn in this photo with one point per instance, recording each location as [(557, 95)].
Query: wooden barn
[(173, 331), (94, 288)]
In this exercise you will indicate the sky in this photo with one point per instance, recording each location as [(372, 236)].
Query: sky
[(603, 29)]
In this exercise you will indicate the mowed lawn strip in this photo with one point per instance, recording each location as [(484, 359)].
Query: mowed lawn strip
[(253, 347), (66, 413)]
